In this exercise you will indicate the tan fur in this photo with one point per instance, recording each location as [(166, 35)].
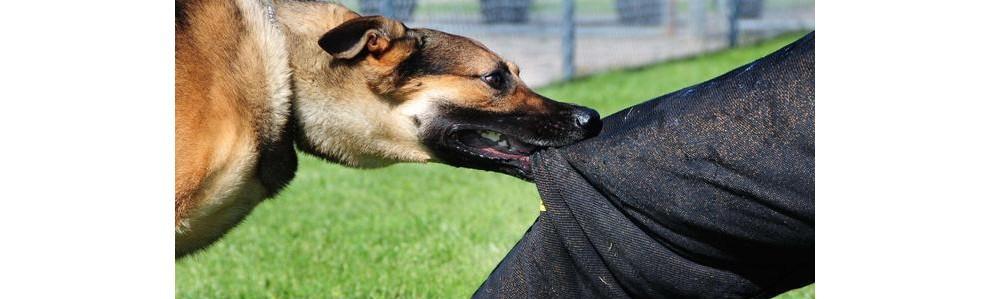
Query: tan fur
[(465, 92), (245, 82), (336, 109), (232, 88)]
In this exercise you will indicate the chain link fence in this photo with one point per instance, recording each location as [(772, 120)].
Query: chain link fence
[(554, 40)]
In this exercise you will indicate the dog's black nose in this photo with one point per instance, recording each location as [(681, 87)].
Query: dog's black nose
[(588, 120)]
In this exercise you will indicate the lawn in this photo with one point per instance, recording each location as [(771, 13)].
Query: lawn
[(423, 231)]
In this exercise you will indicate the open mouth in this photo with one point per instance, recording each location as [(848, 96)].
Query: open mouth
[(508, 142), (496, 147)]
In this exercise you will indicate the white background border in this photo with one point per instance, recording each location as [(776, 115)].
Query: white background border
[(87, 149), (902, 158), (87, 154)]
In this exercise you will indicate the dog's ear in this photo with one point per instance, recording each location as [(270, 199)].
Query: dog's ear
[(373, 33)]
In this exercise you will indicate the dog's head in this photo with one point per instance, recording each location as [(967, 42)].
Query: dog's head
[(388, 93)]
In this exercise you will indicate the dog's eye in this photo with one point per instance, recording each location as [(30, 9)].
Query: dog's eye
[(494, 79)]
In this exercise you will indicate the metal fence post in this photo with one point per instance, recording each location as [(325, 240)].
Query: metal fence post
[(734, 23), (567, 40)]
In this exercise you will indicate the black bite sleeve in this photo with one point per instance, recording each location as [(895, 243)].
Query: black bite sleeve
[(707, 192)]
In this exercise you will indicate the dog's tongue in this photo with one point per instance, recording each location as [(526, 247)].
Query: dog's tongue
[(497, 152)]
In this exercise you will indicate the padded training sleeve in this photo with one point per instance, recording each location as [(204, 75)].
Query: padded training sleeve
[(707, 192)]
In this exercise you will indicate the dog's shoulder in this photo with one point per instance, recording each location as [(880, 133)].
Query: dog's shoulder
[(232, 106)]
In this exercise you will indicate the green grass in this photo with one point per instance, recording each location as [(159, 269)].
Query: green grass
[(425, 231)]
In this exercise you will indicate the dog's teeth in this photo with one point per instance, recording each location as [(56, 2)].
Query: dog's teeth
[(495, 137)]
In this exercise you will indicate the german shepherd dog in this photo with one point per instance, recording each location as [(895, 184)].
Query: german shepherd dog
[(255, 80)]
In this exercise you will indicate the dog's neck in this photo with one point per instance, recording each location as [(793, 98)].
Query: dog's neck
[(304, 23), (266, 74)]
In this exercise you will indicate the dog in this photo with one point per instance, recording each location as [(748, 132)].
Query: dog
[(256, 80)]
